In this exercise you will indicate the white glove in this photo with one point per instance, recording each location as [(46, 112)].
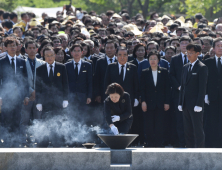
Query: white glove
[(197, 109), (115, 118), (180, 108), (136, 102), (65, 103), (206, 99), (39, 107), (114, 130)]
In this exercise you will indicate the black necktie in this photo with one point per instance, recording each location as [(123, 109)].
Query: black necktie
[(51, 73), (13, 65), (185, 60), (190, 68), (219, 65), (76, 70), (111, 60), (122, 72)]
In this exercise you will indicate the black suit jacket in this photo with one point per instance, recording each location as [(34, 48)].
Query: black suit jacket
[(99, 77), (155, 95), (134, 62), (13, 87), (130, 83), (51, 93), (193, 86), (122, 108), (82, 83), (214, 82), (176, 66)]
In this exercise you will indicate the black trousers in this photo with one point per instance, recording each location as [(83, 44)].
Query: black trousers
[(11, 115), (124, 126), (179, 123), (137, 126), (213, 125), (193, 128), (154, 127)]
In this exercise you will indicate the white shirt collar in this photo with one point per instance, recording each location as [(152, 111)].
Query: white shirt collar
[(80, 62), (108, 59), (216, 57), (121, 65), (53, 64), (182, 54), (194, 62), (139, 61), (10, 58)]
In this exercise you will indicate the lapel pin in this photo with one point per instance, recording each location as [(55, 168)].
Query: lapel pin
[(159, 71), (58, 74), (128, 69)]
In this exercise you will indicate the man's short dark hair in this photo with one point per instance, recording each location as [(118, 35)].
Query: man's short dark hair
[(216, 40), (30, 42), (47, 48), (23, 14), (198, 38), (8, 24), (6, 15), (74, 46), (185, 38), (16, 28), (153, 42), (10, 40), (121, 48), (115, 88), (175, 39), (208, 38), (56, 38), (170, 47), (154, 53), (198, 16), (13, 15), (194, 47), (111, 42)]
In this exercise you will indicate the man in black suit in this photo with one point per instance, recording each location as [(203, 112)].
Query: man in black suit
[(191, 98), (13, 86), (51, 85), (101, 65), (125, 74), (213, 98), (176, 66), (79, 74)]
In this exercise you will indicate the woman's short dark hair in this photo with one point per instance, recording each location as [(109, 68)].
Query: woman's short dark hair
[(57, 49), (154, 53), (115, 88), (136, 48), (88, 48)]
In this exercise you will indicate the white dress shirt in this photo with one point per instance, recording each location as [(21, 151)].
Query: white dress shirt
[(184, 57), (108, 59), (53, 67), (10, 60), (79, 65), (124, 70), (192, 64), (154, 77), (217, 60)]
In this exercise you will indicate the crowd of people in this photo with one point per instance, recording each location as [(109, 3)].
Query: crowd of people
[(159, 78)]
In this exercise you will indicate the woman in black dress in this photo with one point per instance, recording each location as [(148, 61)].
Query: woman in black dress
[(155, 98), (118, 110)]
